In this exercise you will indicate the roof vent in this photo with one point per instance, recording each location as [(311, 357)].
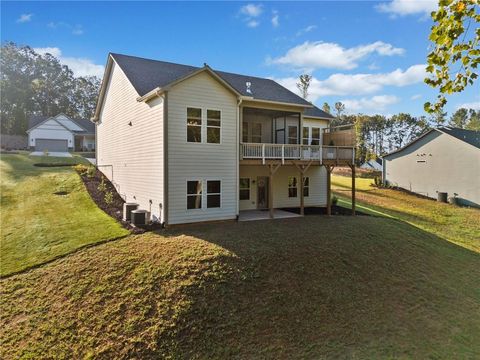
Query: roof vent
[(249, 84)]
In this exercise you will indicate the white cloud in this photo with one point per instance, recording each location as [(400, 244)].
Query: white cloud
[(376, 103), (253, 23), (24, 18), (408, 7), (313, 55), (275, 19), (79, 66), (252, 10), (416, 97), (75, 29), (358, 84), (471, 105), (306, 30)]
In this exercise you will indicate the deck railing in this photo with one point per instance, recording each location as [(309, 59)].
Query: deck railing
[(284, 152)]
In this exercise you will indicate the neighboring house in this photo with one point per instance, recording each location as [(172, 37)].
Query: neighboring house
[(445, 159), (194, 144), (373, 164), (60, 133)]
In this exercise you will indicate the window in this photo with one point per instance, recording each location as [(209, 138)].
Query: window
[(245, 132), (292, 135), (256, 133), (194, 125), (244, 189), (213, 193), (315, 136), (305, 136), (292, 186), (194, 194), (213, 126), (306, 186)]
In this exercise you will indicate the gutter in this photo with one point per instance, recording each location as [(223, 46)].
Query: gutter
[(151, 94)]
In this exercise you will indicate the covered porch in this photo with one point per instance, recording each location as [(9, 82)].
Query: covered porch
[(253, 215), (84, 142)]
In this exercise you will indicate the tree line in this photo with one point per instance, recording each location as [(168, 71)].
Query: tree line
[(378, 135), (38, 84)]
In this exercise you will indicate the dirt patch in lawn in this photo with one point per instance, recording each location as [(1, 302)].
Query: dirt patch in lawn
[(94, 184)]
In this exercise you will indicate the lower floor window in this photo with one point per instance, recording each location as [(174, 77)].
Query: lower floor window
[(194, 194), (306, 186), (292, 186), (213, 193), (244, 189)]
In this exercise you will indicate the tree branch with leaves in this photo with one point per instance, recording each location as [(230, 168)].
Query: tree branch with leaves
[(455, 57)]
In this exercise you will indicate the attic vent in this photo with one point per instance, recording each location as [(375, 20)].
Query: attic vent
[(248, 85)]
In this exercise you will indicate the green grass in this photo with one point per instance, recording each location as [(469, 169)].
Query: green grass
[(456, 224), (314, 287), (36, 225)]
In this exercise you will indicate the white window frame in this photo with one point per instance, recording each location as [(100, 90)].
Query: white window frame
[(206, 194), (249, 188), (308, 135), (202, 137), (319, 135), (191, 195), (290, 137), (204, 125), (292, 187)]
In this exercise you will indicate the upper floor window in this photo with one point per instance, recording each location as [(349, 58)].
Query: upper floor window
[(194, 125), (315, 136), (213, 126), (292, 134), (305, 136)]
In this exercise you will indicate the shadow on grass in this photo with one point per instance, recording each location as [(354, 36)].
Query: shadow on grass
[(333, 287)]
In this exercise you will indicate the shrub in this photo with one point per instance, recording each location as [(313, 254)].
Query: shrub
[(91, 171), (334, 200), (378, 181), (80, 168), (102, 186), (45, 152), (108, 197)]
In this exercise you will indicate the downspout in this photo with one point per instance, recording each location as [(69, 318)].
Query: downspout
[(165, 160), (237, 183)]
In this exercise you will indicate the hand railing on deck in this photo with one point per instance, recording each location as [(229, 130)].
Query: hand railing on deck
[(296, 152)]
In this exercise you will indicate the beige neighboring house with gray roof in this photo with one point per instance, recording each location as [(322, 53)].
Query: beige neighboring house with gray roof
[(192, 144), (444, 159)]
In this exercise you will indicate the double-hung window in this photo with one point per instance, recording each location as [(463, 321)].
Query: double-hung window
[(292, 135), (194, 194), (315, 136), (256, 133), (305, 136), (292, 186), (213, 126), (244, 189), (213, 193), (306, 186), (194, 125)]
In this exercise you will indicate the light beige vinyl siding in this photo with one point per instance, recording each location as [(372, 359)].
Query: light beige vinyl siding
[(317, 191), (201, 161), (437, 162), (131, 156)]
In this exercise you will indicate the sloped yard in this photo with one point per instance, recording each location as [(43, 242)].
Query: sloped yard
[(312, 287), (456, 224), (39, 225)]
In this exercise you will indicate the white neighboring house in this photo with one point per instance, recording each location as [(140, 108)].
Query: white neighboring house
[(61, 134), (373, 164), (444, 159), (192, 144)]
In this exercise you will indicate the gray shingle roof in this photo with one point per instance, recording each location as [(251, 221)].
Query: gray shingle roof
[(86, 124), (316, 112), (89, 126), (146, 75), (34, 120), (469, 136)]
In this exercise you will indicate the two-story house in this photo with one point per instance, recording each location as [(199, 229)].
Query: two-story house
[(193, 144)]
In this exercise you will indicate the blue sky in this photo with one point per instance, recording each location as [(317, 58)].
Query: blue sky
[(369, 55)]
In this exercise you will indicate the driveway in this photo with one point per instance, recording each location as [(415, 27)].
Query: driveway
[(51, 153)]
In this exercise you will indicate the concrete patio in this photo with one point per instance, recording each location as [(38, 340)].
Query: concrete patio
[(252, 215)]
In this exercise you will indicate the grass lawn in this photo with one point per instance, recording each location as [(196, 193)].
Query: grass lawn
[(313, 287), (456, 224), (36, 225)]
